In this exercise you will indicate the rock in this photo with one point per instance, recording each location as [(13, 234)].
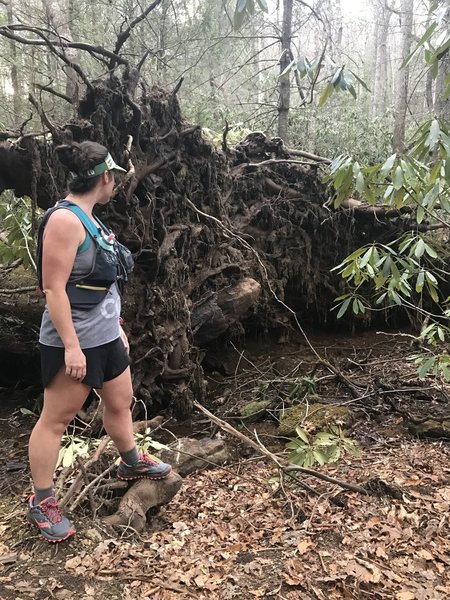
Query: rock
[(431, 429), (186, 455), (253, 411), (318, 414), (93, 534)]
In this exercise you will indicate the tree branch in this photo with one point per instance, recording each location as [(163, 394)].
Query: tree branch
[(124, 35), (42, 114), (47, 88), (7, 31), (285, 467)]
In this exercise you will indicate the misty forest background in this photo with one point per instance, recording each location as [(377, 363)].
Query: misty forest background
[(231, 74)]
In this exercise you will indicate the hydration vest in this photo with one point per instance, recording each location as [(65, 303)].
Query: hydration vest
[(112, 262)]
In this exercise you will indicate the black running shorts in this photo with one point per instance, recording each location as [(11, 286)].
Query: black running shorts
[(103, 363)]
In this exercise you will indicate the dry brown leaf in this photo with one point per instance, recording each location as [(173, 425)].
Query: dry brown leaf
[(236, 547), (304, 545), (89, 590), (425, 554), (292, 581), (259, 593), (73, 563)]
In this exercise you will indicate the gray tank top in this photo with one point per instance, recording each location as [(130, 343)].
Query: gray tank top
[(94, 327)]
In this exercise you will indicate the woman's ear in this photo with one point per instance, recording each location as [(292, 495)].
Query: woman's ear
[(107, 176)]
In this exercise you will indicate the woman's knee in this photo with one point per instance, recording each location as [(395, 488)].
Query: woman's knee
[(117, 408), (57, 424)]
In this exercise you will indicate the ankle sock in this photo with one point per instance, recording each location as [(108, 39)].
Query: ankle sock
[(42, 494), (131, 457)]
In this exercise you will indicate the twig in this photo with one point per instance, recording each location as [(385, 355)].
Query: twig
[(89, 487), (21, 290), (77, 481), (314, 157), (177, 87), (224, 136), (275, 161), (47, 88), (42, 114), (86, 479), (285, 467), (7, 31)]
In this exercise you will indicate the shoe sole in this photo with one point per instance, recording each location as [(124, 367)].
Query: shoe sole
[(50, 539), (134, 477)]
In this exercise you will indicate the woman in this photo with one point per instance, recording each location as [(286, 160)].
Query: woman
[(82, 343)]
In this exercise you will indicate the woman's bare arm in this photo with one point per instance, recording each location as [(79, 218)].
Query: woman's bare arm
[(62, 236)]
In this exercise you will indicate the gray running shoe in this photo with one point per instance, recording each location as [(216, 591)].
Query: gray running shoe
[(146, 468), (47, 516)]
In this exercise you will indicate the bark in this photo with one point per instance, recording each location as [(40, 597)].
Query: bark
[(401, 104), (212, 316), (336, 29), (75, 88), (187, 455), (285, 85), (140, 498), (442, 103), (15, 81), (380, 87)]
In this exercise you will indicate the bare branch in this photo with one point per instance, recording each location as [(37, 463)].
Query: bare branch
[(95, 51), (42, 114), (124, 35), (47, 88), (6, 31)]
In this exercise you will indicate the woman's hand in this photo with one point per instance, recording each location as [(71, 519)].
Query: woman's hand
[(75, 362), (123, 337)]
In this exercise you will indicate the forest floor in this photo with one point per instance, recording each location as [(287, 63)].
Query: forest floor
[(238, 531)]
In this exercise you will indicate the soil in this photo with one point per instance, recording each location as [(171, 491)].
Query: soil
[(243, 532)]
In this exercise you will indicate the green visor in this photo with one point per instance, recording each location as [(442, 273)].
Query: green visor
[(107, 165)]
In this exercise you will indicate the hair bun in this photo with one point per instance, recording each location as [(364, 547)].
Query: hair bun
[(71, 156), (80, 157)]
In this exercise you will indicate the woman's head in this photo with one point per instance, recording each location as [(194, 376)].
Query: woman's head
[(89, 163)]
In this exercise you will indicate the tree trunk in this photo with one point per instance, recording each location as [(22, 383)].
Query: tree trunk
[(336, 29), (401, 104), (381, 67), (15, 82), (442, 103), (285, 83), (75, 88)]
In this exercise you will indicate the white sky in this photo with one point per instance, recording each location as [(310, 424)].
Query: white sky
[(355, 7)]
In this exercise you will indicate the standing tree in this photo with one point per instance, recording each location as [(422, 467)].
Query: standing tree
[(284, 100), (401, 104), (382, 16)]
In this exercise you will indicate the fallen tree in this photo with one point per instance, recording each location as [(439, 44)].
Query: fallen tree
[(223, 240), (213, 234)]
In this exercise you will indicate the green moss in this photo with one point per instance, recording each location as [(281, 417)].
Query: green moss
[(254, 410), (319, 415), (431, 429)]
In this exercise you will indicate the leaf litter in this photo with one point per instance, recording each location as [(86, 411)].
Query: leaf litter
[(231, 534), (239, 532)]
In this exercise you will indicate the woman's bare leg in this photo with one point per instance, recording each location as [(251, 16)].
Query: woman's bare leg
[(63, 398), (117, 395)]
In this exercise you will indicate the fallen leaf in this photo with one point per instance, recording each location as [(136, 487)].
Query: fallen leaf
[(304, 546), (425, 554)]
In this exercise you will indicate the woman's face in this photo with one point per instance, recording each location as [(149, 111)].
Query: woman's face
[(107, 185)]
